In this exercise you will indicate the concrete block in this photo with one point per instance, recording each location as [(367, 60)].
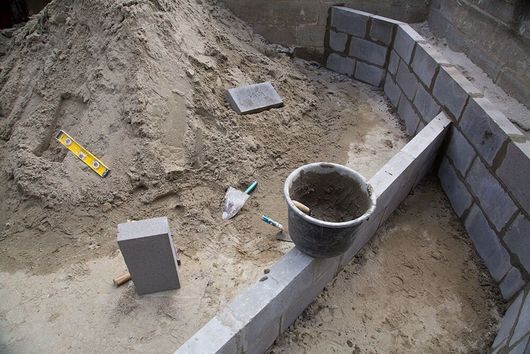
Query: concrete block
[(490, 66), (460, 151), (214, 337), (523, 322), (486, 128), (438, 23), (454, 188), (368, 51), (523, 347), (515, 85), (407, 114), (370, 74), (452, 89), (406, 80), (495, 257), (517, 238), (337, 41), (381, 30), (149, 253), (508, 320), (256, 313), (511, 284), (253, 98), (392, 183), (426, 105), (494, 200), (305, 285), (340, 64), (349, 21), (393, 63), (406, 38), (514, 172), (425, 145), (392, 90), (425, 62)]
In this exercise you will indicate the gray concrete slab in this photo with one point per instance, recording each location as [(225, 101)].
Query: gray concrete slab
[(150, 255), (253, 98)]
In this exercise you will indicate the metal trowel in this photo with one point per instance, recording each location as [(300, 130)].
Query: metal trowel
[(235, 199)]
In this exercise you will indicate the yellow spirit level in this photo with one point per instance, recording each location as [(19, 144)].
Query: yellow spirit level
[(83, 154)]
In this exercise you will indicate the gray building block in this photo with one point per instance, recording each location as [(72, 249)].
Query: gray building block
[(485, 240), (514, 172), (393, 62), (149, 253), (368, 51), (392, 90), (454, 188), (349, 21), (337, 41), (253, 98), (214, 337), (452, 89), (523, 347), (508, 321), (381, 30), (426, 144), (370, 74), (494, 200), (460, 151), (257, 312), (425, 62), (406, 80), (486, 128), (406, 38), (407, 114), (340, 64), (438, 23), (484, 61), (523, 322), (511, 284), (425, 104), (517, 238)]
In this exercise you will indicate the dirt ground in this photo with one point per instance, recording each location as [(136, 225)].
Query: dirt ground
[(418, 287), (141, 85)]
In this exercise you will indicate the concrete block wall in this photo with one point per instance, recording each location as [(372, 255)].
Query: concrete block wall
[(251, 322), (494, 34), (302, 24), (486, 164)]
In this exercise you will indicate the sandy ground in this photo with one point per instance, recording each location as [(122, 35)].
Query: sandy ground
[(418, 287), (150, 103), (75, 307), (516, 112)]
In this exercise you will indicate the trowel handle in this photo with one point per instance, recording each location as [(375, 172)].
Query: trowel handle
[(251, 188)]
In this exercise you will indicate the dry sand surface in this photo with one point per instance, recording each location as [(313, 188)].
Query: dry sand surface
[(418, 287), (141, 84)]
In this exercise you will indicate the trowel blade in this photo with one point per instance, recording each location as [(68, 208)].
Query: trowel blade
[(234, 201), (283, 236)]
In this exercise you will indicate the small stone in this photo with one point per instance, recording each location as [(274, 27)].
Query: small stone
[(350, 344)]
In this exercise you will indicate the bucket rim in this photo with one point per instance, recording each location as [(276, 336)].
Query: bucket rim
[(330, 224)]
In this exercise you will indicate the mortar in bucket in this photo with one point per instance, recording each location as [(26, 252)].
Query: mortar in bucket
[(340, 199)]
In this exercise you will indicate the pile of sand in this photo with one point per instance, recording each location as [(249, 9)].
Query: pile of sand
[(141, 84)]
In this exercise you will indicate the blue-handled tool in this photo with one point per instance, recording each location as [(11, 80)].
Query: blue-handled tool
[(235, 199), (272, 222)]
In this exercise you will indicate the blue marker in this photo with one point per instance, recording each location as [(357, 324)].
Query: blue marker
[(272, 222)]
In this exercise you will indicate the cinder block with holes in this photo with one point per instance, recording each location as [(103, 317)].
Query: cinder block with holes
[(150, 255)]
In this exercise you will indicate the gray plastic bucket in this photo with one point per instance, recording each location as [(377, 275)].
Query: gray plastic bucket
[(340, 199)]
